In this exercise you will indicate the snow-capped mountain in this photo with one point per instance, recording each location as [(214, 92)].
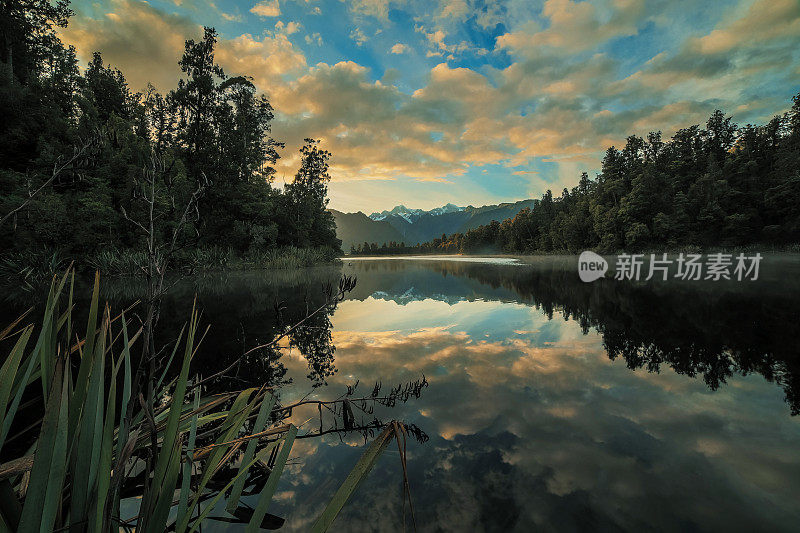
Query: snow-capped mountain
[(449, 208), (409, 215), (411, 226), (412, 215)]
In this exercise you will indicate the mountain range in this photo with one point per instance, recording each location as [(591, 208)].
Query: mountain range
[(412, 226)]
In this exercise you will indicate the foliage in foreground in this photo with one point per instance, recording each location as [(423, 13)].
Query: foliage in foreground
[(97, 444)]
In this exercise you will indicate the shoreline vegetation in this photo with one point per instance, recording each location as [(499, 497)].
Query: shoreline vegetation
[(163, 183), (215, 259), (31, 270), (412, 252), (722, 186), (109, 431)]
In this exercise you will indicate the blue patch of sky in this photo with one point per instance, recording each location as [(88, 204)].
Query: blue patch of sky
[(497, 180), (548, 170), (632, 51), (336, 26), (412, 65), (501, 324)]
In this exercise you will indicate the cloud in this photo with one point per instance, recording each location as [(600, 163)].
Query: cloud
[(378, 9), (436, 40), (314, 38), (230, 17), (358, 36), (267, 59), (551, 89), (288, 28), (574, 27), (764, 21), (458, 9), (267, 8), (595, 442), (726, 63), (399, 48), (144, 41), (435, 180)]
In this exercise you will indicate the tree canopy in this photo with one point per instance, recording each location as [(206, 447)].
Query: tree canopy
[(75, 144)]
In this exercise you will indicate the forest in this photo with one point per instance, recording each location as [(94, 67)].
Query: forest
[(94, 174), (722, 185), (87, 165)]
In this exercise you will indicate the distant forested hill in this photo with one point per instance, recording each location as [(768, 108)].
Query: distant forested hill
[(356, 228), (412, 226)]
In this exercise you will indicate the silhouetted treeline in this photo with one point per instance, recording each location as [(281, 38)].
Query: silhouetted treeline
[(724, 185), (75, 148)]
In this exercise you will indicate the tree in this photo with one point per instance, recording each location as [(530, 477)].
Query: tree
[(29, 38), (308, 199), (722, 185)]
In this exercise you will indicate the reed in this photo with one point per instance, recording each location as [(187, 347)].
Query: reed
[(100, 441), (126, 262)]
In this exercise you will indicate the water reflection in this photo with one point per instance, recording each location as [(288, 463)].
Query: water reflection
[(243, 309), (713, 330), (536, 423), (553, 404)]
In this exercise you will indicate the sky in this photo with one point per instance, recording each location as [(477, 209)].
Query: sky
[(428, 102)]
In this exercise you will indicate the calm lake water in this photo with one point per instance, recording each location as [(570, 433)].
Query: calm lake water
[(552, 403)]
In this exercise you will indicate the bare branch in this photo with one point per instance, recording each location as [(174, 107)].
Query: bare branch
[(78, 152)]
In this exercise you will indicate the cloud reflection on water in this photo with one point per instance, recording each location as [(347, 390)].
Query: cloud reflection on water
[(532, 424)]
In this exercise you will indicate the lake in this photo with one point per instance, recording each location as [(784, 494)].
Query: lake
[(551, 403)]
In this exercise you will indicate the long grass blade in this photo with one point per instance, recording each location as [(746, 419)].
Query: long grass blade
[(188, 466), (123, 427), (239, 411), (10, 508), (6, 332), (265, 498), (89, 437), (87, 362), (45, 347), (258, 426), (354, 479), (242, 473), (8, 375), (169, 361), (22, 382), (162, 488), (99, 510), (50, 463), (157, 520)]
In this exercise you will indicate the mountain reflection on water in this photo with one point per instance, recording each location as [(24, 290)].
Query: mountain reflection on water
[(561, 405), (553, 404)]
